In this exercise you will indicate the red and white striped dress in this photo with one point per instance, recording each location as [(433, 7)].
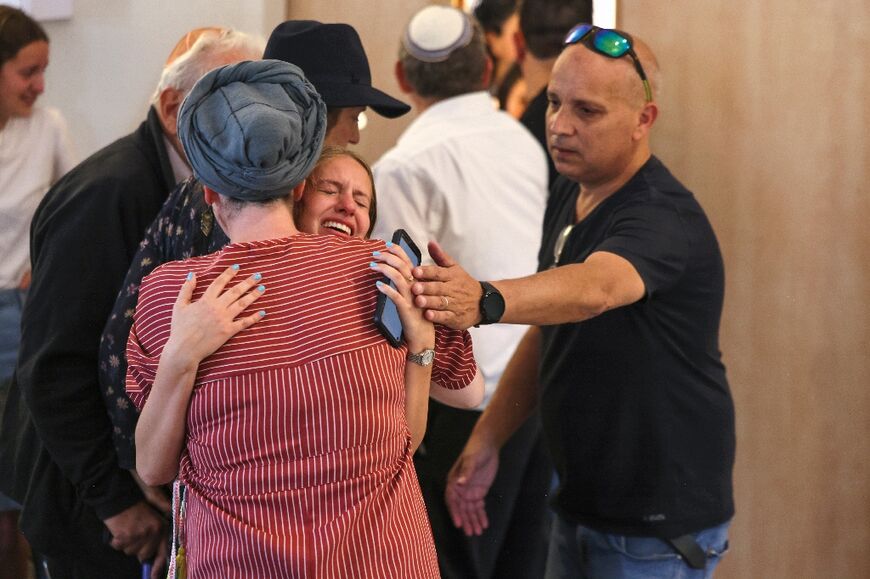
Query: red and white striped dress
[(297, 460)]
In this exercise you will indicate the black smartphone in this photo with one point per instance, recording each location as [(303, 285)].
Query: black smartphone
[(386, 314)]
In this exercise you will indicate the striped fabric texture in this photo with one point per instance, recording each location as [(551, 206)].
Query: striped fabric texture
[(298, 458)]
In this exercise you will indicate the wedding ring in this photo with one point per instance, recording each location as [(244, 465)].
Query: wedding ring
[(410, 279), (446, 301)]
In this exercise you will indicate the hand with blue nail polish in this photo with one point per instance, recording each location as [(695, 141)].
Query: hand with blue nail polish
[(419, 333), (200, 327)]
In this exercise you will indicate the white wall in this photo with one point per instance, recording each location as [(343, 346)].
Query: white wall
[(106, 60)]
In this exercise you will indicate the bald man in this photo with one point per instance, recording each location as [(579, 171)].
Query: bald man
[(622, 359), (84, 515)]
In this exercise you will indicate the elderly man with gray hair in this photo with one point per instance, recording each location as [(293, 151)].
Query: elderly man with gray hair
[(84, 515), (474, 179)]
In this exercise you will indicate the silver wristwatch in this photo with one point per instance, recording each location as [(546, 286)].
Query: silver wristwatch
[(424, 358)]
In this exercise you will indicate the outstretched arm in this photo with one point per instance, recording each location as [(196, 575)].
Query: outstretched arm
[(198, 329), (513, 402), (570, 293)]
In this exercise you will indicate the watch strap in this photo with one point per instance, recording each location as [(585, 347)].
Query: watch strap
[(489, 292), (422, 358)]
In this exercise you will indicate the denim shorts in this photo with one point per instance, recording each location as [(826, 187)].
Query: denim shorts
[(580, 552)]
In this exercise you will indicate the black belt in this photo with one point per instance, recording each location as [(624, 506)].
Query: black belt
[(690, 551)]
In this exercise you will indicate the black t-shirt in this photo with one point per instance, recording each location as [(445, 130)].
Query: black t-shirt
[(635, 403)]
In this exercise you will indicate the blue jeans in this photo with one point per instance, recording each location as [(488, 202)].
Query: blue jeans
[(578, 552), (11, 302)]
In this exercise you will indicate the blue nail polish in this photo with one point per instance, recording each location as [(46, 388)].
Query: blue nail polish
[(258, 277), (261, 288), (389, 244), (376, 253), (379, 283), (262, 313), (373, 264), (189, 275), (235, 267)]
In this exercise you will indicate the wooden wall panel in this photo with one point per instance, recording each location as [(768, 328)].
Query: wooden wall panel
[(765, 116)]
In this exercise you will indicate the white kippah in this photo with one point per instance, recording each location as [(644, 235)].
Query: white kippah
[(435, 32)]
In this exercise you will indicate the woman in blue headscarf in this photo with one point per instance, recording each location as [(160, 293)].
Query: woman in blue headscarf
[(287, 415)]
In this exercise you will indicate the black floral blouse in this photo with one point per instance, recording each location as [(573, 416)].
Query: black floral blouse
[(185, 227)]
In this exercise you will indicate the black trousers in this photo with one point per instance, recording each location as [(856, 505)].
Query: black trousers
[(515, 544), (109, 564)]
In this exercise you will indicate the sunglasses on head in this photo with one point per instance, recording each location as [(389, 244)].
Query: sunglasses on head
[(612, 43)]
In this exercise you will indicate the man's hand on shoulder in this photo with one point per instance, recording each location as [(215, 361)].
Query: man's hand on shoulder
[(449, 294)]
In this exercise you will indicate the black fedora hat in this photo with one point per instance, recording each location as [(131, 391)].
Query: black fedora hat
[(333, 59)]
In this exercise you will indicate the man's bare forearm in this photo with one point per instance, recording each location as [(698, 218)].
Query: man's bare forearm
[(566, 294), (571, 293)]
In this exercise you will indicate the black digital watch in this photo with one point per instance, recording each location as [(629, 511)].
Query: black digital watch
[(491, 304)]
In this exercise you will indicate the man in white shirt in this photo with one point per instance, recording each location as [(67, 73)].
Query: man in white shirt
[(475, 180)]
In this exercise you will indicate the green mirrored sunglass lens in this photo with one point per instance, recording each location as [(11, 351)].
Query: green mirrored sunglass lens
[(612, 43)]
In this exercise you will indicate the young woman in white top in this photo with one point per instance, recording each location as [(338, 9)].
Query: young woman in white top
[(35, 151)]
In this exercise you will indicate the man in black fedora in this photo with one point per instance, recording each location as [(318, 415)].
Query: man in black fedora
[(333, 59)]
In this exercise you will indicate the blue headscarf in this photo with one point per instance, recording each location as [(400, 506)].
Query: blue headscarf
[(252, 130)]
